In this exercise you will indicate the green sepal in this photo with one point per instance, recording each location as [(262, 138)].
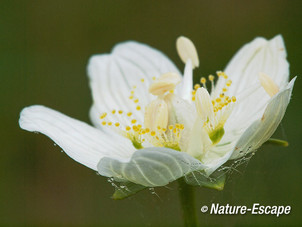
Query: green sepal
[(198, 178), (277, 142), (126, 189)]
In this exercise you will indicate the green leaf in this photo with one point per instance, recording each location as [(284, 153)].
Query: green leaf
[(198, 178), (126, 189), (277, 142)]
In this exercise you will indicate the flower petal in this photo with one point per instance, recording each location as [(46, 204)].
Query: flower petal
[(112, 77), (150, 167), (79, 140), (263, 128), (258, 56)]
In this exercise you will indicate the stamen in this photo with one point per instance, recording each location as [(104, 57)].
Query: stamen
[(186, 50), (268, 84)]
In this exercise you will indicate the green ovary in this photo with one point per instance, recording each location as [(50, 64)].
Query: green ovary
[(216, 135)]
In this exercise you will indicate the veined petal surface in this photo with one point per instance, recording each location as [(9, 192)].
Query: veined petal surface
[(83, 143)]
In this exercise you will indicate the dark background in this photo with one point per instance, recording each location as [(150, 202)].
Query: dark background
[(44, 49)]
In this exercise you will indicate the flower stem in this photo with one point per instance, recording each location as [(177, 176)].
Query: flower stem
[(187, 199)]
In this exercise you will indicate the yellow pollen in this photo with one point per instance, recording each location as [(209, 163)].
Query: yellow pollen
[(132, 92), (147, 130), (181, 126), (117, 124), (213, 102), (139, 126), (103, 115), (142, 80), (158, 128), (224, 89), (211, 77), (152, 133), (234, 99), (170, 127), (154, 78), (120, 111), (136, 101), (218, 100), (193, 98), (174, 130), (171, 91), (196, 86), (134, 87), (104, 123), (134, 127), (138, 108), (133, 121), (109, 123), (221, 95), (193, 92), (203, 80), (129, 114), (128, 128), (113, 111), (131, 97), (143, 131)]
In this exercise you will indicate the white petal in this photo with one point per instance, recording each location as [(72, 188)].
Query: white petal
[(150, 166), (261, 55), (112, 76), (263, 128), (79, 140)]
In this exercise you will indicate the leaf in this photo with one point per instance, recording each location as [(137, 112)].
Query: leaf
[(198, 178), (126, 189)]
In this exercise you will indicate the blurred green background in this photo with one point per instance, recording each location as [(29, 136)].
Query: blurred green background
[(44, 49)]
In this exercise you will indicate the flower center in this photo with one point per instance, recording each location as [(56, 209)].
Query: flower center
[(155, 130), (213, 111)]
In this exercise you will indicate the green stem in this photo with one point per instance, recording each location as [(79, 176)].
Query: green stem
[(187, 199)]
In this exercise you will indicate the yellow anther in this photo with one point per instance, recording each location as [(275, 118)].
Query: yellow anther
[(221, 95), (138, 108), (142, 80), (157, 137), (211, 77), (132, 92), (129, 114), (134, 86), (120, 111), (171, 91), (113, 111), (203, 80), (117, 124), (109, 123), (213, 102), (193, 92), (134, 127), (196, 86), (218, 99), (131, 97), (228, 83), (153, 133), (154, 78), (233, 99), (104, 123), (139, 126), (224, 89), (158, 128), (147, 130), (133, 121), (181, 126), (193, 98), (103, 115), (229, 100), (170, 127), (219, 73), (128, 128), (136, 101), (143, 132), (174, 130)]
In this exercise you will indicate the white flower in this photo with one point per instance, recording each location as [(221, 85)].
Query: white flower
[(151, 128)]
